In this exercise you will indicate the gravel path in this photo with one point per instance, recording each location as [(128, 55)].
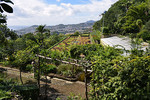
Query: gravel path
[(56, 88)]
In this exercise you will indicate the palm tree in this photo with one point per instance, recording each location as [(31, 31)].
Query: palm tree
[(41, 29)]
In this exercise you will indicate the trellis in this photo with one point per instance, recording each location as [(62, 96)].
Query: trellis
[(84, 63)]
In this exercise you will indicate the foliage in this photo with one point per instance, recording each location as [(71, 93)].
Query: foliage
[(76, 33), (125, 16), (136, 16), (91, 50), (85, 35), (8, 86), (4, 95), (121, 79), (74, 97), (51, 68), (48, 68), (65, 69), (147, 26), (29, 67), (23, 57), (96, 36), (145, 35), (28, 92), (5, 82), (69, 70), (5, 33), (145, 32)]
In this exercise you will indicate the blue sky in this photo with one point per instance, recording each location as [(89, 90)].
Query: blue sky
[(67, 1), (53, 12)]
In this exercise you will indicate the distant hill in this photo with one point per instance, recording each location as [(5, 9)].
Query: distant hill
[(16, 27), (61, 28)]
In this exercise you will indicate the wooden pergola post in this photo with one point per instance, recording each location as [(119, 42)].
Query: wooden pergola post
[(85, 78), (86, 87)]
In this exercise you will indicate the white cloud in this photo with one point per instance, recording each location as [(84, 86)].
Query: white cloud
[(30, 12), (58, 0)]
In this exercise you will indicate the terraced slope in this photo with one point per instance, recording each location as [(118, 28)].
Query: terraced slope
[(72, 40)]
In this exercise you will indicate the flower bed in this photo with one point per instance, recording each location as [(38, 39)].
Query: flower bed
[(73, 40)]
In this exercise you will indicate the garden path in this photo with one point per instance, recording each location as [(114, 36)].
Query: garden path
[(56, 88)]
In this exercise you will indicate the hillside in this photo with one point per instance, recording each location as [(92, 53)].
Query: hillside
[(126, 17), (70, 41), (61, 28)]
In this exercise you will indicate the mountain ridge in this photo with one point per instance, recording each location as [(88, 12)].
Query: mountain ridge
[(61, 28)]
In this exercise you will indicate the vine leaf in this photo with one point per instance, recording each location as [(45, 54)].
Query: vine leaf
[(7, 8)]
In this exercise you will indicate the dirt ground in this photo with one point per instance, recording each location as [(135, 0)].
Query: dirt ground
[(57, 88)]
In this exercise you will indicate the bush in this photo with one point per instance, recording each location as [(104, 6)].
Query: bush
[(28, 92), (6, 63), (5, 95), (63, 68), (88, 50), (121, 79), (85, 35), (69, 70), (145, 34), (147, 26), (29, 67), (51, 68), (105, 29)]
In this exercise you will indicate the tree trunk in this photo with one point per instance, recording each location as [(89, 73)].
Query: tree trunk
[(21, 76), (86, 92), (38, 78), (46, 88)]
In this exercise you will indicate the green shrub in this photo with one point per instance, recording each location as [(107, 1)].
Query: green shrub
[(29, 67), (77, 70), (51, 68), (6, 63), (69, 70), (85, 35), (5, 95), (121, 79), (81, 77), (105, 29), (145, 34), (74, 97), (28, 92), (147, 26), (64, 67)]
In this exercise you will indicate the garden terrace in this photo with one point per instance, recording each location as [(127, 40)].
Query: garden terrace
[(72, 40)]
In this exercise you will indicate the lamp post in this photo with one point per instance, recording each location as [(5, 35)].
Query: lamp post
[(86, 92)]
